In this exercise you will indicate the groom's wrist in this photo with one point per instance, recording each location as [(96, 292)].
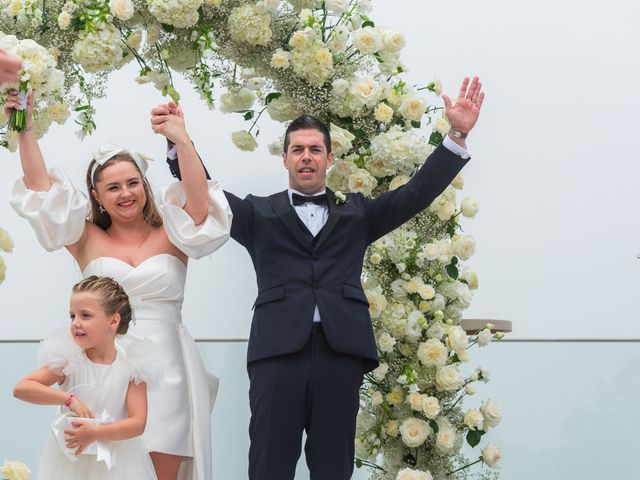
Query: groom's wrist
[(457, 139)]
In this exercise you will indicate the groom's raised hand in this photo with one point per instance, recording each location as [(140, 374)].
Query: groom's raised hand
[(463, 115)]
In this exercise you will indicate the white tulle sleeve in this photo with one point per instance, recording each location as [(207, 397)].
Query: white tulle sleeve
[(195, 240), (60, 353), (143, 361), (57, 216)]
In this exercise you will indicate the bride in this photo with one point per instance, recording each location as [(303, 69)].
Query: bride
[(120, 232)]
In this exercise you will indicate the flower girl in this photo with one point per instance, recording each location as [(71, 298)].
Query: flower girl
[(103, 379)]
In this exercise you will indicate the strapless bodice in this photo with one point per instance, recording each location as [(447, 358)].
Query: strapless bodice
[(155, 287)]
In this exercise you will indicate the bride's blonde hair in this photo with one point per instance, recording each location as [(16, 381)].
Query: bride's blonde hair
[(102, 219)]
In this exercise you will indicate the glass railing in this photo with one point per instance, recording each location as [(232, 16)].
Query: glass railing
[(570, 409)]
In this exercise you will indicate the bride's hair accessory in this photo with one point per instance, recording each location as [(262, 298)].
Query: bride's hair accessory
[(107, 152)]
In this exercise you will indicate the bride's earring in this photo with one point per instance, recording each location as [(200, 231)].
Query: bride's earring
[(101, 208)]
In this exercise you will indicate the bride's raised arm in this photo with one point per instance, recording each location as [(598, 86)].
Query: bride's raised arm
[(46, 198), (196, 214), (33, 166)]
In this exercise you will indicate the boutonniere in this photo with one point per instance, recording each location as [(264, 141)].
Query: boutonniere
[(340, 198)]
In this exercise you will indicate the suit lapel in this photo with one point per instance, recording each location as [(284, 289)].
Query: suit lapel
[(334, 214), (282, 207)]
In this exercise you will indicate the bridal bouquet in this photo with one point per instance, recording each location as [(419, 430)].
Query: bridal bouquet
[(38, 73)]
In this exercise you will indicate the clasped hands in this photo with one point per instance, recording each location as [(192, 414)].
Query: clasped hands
[(84, 433)]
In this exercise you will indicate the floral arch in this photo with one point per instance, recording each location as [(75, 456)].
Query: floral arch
[(330, 59)]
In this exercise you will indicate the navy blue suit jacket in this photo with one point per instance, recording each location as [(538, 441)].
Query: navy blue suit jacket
[(294, 273)]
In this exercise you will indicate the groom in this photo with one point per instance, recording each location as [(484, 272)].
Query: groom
[(311, 338)]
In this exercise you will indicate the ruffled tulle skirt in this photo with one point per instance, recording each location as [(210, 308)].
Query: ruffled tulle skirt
[(131, 462)]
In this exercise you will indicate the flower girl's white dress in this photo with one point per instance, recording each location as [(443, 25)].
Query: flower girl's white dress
[(179, 411), (103, 388)]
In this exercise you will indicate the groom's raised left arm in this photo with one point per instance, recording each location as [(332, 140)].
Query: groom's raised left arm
[(394, 208)]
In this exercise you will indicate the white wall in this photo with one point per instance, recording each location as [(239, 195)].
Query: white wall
[(554, 170)]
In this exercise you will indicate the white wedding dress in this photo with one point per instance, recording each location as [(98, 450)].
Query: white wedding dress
[(178, 420)]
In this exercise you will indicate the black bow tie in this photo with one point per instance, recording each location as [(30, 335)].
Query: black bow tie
[(302, 199)]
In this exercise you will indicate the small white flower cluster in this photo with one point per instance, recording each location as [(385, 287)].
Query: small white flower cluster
[(99, 50), (179, 13)]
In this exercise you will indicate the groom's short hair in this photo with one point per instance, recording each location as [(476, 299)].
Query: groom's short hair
[(307, 122)]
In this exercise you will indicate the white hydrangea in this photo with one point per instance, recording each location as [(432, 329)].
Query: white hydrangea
[(99, 50), (251, 25), (244, 141), (399, 150), (283, 109), (241, 99), (179, 13)]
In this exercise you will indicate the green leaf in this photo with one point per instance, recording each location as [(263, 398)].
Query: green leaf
[(81, 108), (454, 261), (271, 97), (434, 426), (248, 115), (168, 28), (378, 57), (452, 271), (359, 133), (474, 436), (368, 23), (358, 463), (436, 138), (415, 124), (451, 229)]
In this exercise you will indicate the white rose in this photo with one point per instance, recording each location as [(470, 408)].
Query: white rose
[(64, 20), (14, 7), (469, 207), (398, 181), (280, 59), (473, 419), (436, 331), (448, 378), (412, 107), (15, 470), (430, 407), (445, 438), (491, 455), (470, 390), (427, 292), (471, 278), (298, 40), (491, 414), (383, 113), (484, 337), (393, 41), (244, 141), (386, 343), (377, 302), (414, 432), (362, 181), (376, 398), (463, 246), (123, 9), (341, 140), (366, 91), (445, 210), (153, 34), (368, 40), (392, 428), (415, 401), (410, 474), (457, 339), (442, 126), (458, 182), (6, 244), (134, 40), (283, 109), (432, 353), (381, 372), (375, 258)]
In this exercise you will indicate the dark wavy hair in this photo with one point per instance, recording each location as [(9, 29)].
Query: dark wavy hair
[(307, 122)]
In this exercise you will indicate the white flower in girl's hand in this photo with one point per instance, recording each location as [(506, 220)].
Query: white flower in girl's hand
[(13, 470)]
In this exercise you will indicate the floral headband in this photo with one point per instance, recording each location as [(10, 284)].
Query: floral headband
[(107, 152)]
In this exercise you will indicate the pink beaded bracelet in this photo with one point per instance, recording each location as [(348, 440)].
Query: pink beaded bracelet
[(67, 402)]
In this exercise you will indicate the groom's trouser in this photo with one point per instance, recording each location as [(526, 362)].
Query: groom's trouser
[(314, 390)]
